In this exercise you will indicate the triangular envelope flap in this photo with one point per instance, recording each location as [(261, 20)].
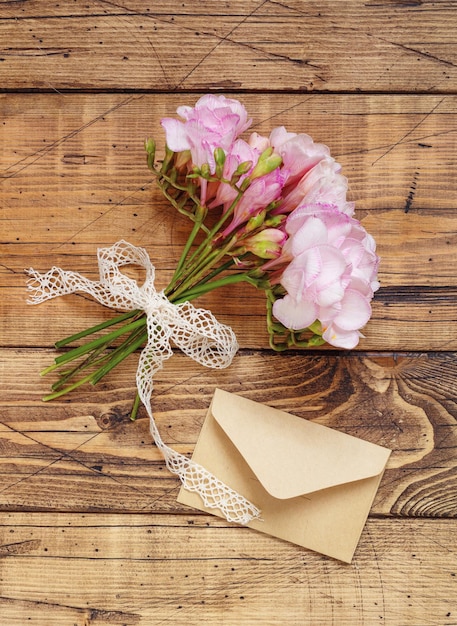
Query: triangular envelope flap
[(292, 456)]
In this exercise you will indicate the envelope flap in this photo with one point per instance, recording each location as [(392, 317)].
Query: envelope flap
[(292, 456)]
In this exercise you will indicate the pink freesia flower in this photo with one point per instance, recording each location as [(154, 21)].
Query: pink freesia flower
[(240, 152), (261, 192), (324, 184), (214, 122), (331, 274), (298, 151), (259, 142), (258, 195)]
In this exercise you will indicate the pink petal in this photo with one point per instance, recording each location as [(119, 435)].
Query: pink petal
[(341, 338), (302, 271), (312, 233), (294, 315), (176, 134), (331, 294), (334, 265), (355, 311)]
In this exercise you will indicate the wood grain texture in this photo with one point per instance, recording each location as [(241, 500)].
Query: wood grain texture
[(87, 455), (131, 569), (250, 45)]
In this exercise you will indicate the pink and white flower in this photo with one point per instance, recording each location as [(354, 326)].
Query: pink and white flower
[(298, 151), (214, 122), (323, 183), (323, 258), (330, 276), (240, 152), (261, 192)]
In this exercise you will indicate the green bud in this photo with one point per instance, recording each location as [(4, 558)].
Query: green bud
[(273, 221), (268, 161), (255, 222), (266, 244), (243, 168), (219, 157), (150, 147), (205, 171)]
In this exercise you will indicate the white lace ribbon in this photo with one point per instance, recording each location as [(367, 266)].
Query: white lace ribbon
[(195, 331)]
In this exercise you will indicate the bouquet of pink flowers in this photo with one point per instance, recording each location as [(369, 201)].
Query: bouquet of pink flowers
[(268, 211)]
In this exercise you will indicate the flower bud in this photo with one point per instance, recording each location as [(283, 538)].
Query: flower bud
[(242, 169), (150, 147), (255, 222), (205, 171), (273, 221), (196, 173), (268, 161), (219, 159), (267, 244)]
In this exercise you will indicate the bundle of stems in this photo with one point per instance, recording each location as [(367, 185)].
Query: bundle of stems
[(208, 261)]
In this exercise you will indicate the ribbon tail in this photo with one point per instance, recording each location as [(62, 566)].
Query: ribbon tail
[(56, 282), (214, 493)]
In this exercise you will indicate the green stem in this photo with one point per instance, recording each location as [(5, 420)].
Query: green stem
[(205, 287), (206, 247), (93, 359), (195, 230), (57, 394), (93, 345), (94, 329), (205, 265), (218, 270), (135, 407), (135, 341)]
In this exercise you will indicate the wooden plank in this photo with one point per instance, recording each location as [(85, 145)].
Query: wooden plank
[(87, 159), (82, 453), (232, 45), (132, 569)]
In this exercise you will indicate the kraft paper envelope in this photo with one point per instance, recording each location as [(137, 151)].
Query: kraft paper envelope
[(314, 485)]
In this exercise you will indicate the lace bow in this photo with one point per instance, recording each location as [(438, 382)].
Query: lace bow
[(195, 331)]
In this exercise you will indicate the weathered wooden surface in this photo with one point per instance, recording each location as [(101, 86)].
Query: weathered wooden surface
[(247, 44), (90, 530), (142, 569)]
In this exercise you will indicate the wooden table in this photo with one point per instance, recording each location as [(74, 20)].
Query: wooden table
[(91, 532)]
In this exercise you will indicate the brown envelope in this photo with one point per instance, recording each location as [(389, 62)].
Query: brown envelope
[(314, 485)]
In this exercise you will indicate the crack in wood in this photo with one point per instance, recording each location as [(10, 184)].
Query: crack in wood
[(20, 547), (90, 615), (412, 192)]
